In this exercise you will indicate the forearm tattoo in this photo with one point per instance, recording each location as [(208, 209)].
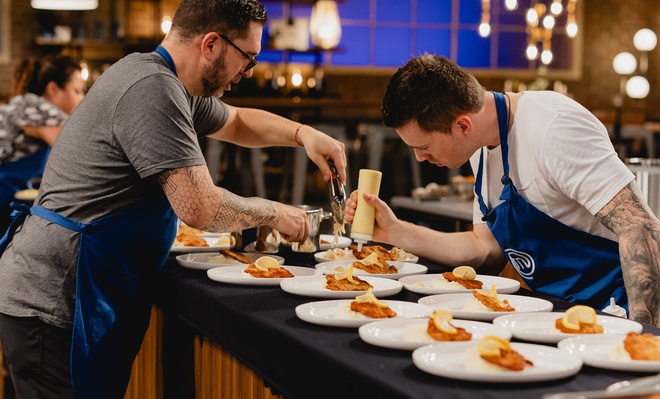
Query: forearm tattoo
[(193, 195), (638, 230)]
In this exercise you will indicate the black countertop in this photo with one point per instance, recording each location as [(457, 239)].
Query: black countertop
[(258, 325)]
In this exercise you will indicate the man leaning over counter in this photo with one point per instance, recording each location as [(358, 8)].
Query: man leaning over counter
[(552, 196), (74, 281)]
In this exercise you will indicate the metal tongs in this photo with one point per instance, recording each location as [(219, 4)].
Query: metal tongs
[(337, 195)]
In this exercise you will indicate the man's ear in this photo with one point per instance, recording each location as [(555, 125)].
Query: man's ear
[(464, 124)]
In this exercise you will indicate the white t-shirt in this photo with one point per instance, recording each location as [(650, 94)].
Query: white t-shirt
[(561, 160)]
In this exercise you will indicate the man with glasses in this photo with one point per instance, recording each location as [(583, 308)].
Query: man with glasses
[(74, 297)]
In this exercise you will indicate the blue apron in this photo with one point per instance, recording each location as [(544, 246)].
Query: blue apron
[(119, 257), (551, 257), (15, 176)]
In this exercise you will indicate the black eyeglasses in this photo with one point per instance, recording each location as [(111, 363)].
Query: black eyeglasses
[(252, 62)]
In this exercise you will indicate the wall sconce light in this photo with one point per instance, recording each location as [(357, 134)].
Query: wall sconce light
[(324, 25), (65, 4)]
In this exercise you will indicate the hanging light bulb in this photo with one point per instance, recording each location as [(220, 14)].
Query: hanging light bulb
[(637, 87), (511, 4), (556, 7), (484, 26), (532, 52), (166, 24), (65, 4), (324, 25)]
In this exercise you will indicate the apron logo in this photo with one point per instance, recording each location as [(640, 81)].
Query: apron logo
[(523, 262)]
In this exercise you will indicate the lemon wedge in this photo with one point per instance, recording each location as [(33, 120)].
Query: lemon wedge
[(492, 346), (369, 297), (372, 259), (266, 262), (441, 319), (348, 275), (465, 273), (493, 293), (578, 314)]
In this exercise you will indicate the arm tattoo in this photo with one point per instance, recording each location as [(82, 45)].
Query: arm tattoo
[(628, 215), (193, 195)]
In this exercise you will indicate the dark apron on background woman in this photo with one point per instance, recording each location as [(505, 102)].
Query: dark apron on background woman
[(119, 257), (15, 176), (551, 257)]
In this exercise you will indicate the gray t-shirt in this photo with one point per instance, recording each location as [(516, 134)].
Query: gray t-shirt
[(136, 122)]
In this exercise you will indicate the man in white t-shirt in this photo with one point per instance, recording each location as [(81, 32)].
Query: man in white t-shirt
[(552, 197)]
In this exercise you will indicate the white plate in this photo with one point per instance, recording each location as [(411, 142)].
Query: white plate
[(314, 286), (235, 275), (211, 240), (449, 360), (411, 334), (327, 313), (199, 260), (342, 241), (404, 268), (455, 302), (503, 285), (320, 257), (595, 351), (540, 327)]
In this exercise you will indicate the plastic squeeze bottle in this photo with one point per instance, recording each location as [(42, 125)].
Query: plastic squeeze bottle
[(362, 229)]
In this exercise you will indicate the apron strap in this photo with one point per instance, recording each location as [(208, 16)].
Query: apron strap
[(57, 219)]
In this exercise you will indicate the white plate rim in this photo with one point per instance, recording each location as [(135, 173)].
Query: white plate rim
[(200, 265), (533, 352), (366, 332), (343, 241), (408, 283), (383, 287), (551, 337), (303, 311), (591, 359), (486, 316), (324, 267), (234, 275)]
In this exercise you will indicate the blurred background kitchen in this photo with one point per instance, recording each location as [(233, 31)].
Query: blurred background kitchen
[(327, 63)]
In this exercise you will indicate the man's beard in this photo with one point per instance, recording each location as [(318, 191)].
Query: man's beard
[(214, 78)]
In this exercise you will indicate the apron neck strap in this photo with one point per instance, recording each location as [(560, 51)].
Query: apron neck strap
[(160, 50), (503, 123)]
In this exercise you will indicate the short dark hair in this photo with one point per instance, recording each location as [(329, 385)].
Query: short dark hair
[(432, 90), (229, 17)]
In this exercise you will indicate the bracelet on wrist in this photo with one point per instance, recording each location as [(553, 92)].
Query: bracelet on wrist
[(296, 135)]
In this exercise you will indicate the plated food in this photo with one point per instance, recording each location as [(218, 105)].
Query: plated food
[(316, 286), (430, 284), (210, 260), (267, 267), (462, 305), (412, 334), (629, 352), (189, 239), (351, 253), (452, 360), (238, 275), (402, 269), (541, 326), (337, 313)]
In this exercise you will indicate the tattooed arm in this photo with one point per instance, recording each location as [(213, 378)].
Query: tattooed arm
[(628, 215), (201, 204)]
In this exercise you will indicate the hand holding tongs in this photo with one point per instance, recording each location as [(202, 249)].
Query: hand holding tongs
[(337, 195)]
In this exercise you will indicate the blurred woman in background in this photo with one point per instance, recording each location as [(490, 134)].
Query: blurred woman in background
[(44, 93)]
